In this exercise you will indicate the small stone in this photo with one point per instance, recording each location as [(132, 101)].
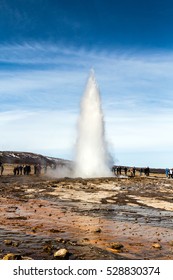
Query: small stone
[(73, 243), (117, 245), (54, 230), (34, 229), (8, 242), (15, 244), (61, 254), (171, 243), (48, 248), (86, 239), (156, 245), (12, 256), (59, 239), (97, 230)]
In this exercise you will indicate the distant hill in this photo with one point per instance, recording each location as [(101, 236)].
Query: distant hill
[(14, 157)]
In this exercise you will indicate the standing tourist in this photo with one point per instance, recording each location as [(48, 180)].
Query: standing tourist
[(1, 168), (125, 171), (170, 173), (167, 172), (141, 170), (134, 171)]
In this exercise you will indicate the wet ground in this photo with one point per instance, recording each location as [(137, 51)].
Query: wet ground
[(88, 217)]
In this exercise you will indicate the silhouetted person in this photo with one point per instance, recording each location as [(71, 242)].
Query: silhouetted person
[(147, 171), (20, 169), (118, 170), (141, 170), (27, 169), (134, 171), (167, 172), (15, 170), (170, 173), (113, 169), (1, 169)]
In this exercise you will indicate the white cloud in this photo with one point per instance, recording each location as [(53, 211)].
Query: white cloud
[(40, 97), (133, 133), (43, 130)]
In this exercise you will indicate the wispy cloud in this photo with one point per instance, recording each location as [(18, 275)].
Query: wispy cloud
[(41, 86), (135, 79), (37, 131)]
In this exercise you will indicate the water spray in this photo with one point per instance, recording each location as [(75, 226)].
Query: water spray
[(92, 156)]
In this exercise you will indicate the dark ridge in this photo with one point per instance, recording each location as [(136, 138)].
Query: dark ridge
[(14, 157)]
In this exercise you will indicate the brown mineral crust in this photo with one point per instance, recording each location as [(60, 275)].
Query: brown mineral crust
[(38, 213)]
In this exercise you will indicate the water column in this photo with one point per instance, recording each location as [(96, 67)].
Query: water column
[(92, 157)]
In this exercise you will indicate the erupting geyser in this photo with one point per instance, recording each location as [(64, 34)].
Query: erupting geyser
[(92, 157)]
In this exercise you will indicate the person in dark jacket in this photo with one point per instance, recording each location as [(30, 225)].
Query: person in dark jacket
[(1, 169)]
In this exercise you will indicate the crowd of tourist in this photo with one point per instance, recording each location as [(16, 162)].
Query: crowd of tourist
[(119, 170), (116, 170), (25, 169)]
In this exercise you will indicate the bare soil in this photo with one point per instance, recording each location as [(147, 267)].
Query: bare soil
[(88, 217)]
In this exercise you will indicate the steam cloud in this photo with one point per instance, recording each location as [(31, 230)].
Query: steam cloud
[(92, 156)]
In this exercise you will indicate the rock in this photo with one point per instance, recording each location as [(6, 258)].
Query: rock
[(156, 245), (34, 229), (117, 245), (86, 239), (8, 242), (84, 183), (60, 240), (54, 230), (97, 230), (26, 258), (48, 248), (61, 254), (171, 243), (15, 244), (73, 243), (12, 256)]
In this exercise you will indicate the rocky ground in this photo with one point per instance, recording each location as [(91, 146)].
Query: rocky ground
[(105, 218)]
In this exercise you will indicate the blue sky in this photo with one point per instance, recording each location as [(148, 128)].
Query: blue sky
[(47, 48)]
